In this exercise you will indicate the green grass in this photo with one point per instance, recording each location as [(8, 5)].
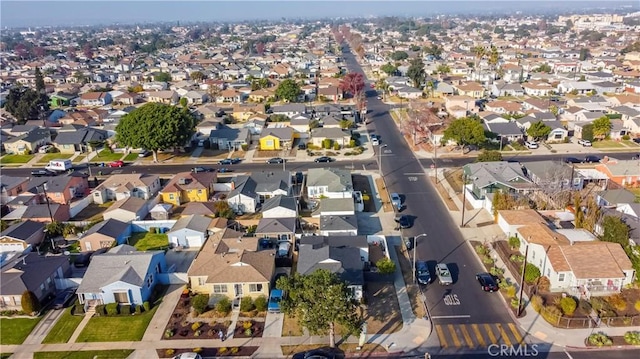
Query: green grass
[(5, 355), (64, 328), (54, 156), (607, 144), (116, 329), (105, 156), (86, 354), (16, 158), (630, 143), (130, 157), (80, 158), (16, 330), (148, 241)]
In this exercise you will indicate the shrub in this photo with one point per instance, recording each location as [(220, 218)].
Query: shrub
[(197, 333), (514, 242), (511, 291), (260, 303), (599, 340), (618, 302), (336, 146), (632, 338), (531, 273), (112, 309), (223, 306), (222, 350), (125, 309), (626, 137), (636, 305), (100, 310), (386, 266), (537, 302), (514, 303), (244, 147), (169, 352), (551, 313), (544, 284), (168, 333), (247, 324), (234, 350), (197, 350), (246, 304), (352, 143), (78, 308), (146, 306), (138, 309), (200, 303), (497, 272), (195, 326), (326, 143), (248, 332), (487, 260), (568, 305), (30, 303), (517, 258), (584, 306), (481, 249)]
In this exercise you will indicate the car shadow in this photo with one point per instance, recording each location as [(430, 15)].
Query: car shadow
[(455, 271)]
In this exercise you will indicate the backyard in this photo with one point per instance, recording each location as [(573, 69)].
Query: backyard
[(116, 328), (93, 212), (147, 241), (16, 330), (64, 328)]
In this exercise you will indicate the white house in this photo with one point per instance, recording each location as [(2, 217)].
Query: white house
[(189, 231), (329, 183), (279, 207)]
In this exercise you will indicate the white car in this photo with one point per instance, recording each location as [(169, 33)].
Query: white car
[(44, 149), (375, 141), (531, 145), (584, 143)]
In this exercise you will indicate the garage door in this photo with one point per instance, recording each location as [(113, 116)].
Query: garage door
[(194, 241), (11, 247)]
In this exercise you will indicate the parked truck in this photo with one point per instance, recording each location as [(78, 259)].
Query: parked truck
[(59, 165)]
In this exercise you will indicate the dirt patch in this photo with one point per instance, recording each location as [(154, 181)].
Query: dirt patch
[(467, 205), (384, 195), (182, 326), (375, 253), (248, 329), (454, 178), (412, 290), (271, 154), (291, 327), (244, 351), (383, 311), (93, 212), (445, 195), (369, 350)]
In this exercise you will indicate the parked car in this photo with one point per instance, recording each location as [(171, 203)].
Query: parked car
[(636, 139), (531, 145), (444, 274), (274, 301), (488, 283), (396, 201), (201, 143), (144, 153), (408, 242), (403, 222), (82, 259), (302, 146), (323, 159), (591, 159), (584, 143), (188, 355), (230, 161), (225, 170), (283, 248), (422, 273), (375, 142), (314, 354), (275, 160), (202, 169), (45, 149), (42, 173), (117, 163), (571, 160), (62, 299)]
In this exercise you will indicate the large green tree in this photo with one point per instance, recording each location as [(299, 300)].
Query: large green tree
[(538, 130), (154, 127), (162, 77), (416, 73), (288, 90), (465, 131), (388, 69), (30, 302), (399, 56), (319, 301), (601, 127), (489, 156), (615, 230), (25, 103)]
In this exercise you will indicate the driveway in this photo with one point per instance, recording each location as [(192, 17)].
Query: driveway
[(180, 259), (273, 325)]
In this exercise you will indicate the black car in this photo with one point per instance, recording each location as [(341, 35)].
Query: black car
[(323, 159), (636, 139), (571, 160), (42, 173), (591, 159), (83, 259), (488, 283), (230, 161), (314, 354), (275, 160), (225, 170), (299, 177), (63, 298), (422, 273), (235, 160), (403, 222), (202, 169)]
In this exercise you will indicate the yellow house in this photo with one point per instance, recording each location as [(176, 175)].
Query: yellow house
[(277, 138), (241, 112), (189, 187), (471, 89), (232, 267)]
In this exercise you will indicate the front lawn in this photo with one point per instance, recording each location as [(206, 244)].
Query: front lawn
[(607, 144), (15, 330), (80, 158), (130, 157), (117, 328), (146, 241), (16, 159), (54, 156), (87, 354), (64, 328), (106, 156)]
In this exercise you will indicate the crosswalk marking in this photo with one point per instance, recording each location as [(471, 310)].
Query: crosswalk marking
[(467, 337), (487, 328), (456, 341), (476, 330), (443, 340), (515, 332), (504, 335)]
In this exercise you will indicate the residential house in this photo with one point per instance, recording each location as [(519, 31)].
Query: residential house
[(280, 207), (11, 187), (289, 109), (256, 123), (95, 99), (226, 138), (335, 135), (229, 265), (189, 187), (119, 186), (31, 272), (161, 211), (607, 87), (106, 234), (301, 125), (22, 236), (276, 138), (471, 89), (579, 87), (329, 183), (277, 229), (567, 258), (78, 140), (343, 259), (490, 177), (409, 92), (205, 127), (200, 209), (122, 275), (614, 197), (59, 189), (165, 97), (127, 209), (443, 89), (249, 192), (335, 207), (45, 212), (189, 231), (62, 99), (622, 172), (28, 142), (554, 176), (243, 111), (503, 107), (505, 131), (344, 225), (537, 88), (501, 88), (459, 106), (196, 97)]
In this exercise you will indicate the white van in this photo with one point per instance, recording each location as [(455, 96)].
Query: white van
[(59, 165)]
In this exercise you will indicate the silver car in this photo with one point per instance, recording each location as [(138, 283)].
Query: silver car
[(443, 274), (396, 201)]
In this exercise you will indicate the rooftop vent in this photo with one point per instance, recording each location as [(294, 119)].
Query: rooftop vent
[(182, 181)]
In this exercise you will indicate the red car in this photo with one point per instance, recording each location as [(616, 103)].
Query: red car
[(117, 163)]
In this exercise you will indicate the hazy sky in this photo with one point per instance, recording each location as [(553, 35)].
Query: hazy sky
[(91, 12)]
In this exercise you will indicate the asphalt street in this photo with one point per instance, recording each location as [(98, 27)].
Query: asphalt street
[(598, 354)]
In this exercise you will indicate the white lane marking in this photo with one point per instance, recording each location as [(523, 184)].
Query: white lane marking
[(450, 316)]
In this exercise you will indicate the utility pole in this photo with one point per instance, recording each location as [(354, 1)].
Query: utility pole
[(464, 196), (524, 266), (44, 190)]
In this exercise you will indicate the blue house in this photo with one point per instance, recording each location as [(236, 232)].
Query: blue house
[(122, 275)]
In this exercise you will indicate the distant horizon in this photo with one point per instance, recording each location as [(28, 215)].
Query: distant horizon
[(23, 14)]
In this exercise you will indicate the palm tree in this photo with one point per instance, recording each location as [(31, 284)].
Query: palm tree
[(479, 52)]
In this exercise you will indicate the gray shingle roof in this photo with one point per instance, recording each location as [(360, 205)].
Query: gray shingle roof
[(344, 261), (28, 272), (486, 173), (110, 228), (276, 225), (338, 223), (337, 180), (193, 222), (279, 201), (23, 230)]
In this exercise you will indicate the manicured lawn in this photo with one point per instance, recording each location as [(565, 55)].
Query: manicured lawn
[(16, 330), (116, 329), (87, 354), (630, 143), (148, 241), (607, 144), (131, 157), (80, 158), (64, 328), (16, 158), (54, 156), (105, 156)]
